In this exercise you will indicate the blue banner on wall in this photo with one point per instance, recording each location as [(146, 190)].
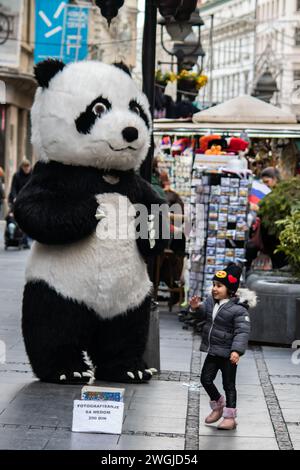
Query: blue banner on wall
[(61, 31)]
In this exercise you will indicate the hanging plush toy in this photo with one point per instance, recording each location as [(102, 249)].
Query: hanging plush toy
[(87, 286)]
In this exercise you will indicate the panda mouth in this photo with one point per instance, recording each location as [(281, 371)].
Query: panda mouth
[(121, 149)]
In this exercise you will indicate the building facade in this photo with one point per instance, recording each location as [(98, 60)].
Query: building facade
[(117, 42), (228, 37), (18, 84), (246, 38), (278, 46)]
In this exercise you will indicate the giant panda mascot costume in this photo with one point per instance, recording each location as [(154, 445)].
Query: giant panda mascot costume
[(86, 290)]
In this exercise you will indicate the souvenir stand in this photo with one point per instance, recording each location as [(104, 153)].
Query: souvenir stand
[(215, 187)]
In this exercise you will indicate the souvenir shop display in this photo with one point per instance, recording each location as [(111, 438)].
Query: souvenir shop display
[(219, 224), (213, 179), (176, 159)]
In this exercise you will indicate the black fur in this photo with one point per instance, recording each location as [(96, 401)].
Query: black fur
[(133, 105), (44, 71), (58, 205), (56, 331), (87, 119)]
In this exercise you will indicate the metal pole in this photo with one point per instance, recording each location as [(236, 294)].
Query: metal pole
[(211, 47), (148, 59), (254, 44), (152, 352)]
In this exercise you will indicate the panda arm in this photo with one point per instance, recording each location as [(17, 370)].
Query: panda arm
[(157, 219), (50, 211)]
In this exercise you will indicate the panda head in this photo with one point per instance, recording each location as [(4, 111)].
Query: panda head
[(89, 114)]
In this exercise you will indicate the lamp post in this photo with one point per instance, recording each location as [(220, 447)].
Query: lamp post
[(180, 34), (148, 67), (265, 87), (187, 47)]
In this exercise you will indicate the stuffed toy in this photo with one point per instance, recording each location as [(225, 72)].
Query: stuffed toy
[(215, 150), (87, 291)]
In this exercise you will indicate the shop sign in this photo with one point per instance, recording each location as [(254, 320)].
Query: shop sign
[(61, 31)]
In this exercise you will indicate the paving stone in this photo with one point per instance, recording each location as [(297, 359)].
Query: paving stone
[(162, 410), (23, 439), (244, 429), (236, 443), (150, 443), (154, 424), (67, 440)]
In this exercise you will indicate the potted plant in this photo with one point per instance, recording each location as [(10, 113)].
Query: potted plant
[(163, 78), (274, 319), (289, 238), (191, 82)]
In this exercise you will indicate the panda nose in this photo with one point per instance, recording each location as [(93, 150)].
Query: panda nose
[(130, 134)]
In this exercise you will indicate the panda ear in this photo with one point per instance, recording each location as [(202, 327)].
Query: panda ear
[(44, 71), (122, 66)]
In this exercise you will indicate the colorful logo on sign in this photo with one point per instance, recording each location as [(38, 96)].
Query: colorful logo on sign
[(61, 31)]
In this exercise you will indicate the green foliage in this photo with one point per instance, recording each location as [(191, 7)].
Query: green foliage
[(279, 204), (290, 239)]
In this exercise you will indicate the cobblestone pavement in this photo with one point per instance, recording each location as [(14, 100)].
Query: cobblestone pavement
[(163, 414)]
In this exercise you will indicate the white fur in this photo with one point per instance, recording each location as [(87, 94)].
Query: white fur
[(56, 108), (107, 275), (247, 295)]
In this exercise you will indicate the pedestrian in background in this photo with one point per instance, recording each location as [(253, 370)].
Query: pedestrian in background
[(260, 240), (225, 338), (2, 197), (20, 178)]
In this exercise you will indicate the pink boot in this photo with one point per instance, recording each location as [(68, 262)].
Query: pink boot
[(229, 422), (217, 410)]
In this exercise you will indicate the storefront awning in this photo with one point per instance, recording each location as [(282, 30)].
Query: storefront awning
[(181, 128), (244, 110)]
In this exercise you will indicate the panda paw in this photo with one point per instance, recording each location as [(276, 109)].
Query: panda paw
[(139, 376), (76, 377), (134, 376)]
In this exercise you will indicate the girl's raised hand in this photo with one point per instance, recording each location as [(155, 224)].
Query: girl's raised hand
[(195, 302)]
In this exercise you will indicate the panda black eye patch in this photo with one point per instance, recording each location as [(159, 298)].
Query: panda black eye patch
[(95, 110), (135, 107)]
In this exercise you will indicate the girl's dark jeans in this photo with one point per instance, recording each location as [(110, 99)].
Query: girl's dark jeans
[(210, 369)]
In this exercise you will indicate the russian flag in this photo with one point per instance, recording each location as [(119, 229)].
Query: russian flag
[(258, 192)]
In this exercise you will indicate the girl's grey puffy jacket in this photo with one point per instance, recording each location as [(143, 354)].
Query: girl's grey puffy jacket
[(231, 327)]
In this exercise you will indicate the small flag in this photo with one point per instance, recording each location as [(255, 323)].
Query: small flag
[(258, 191)]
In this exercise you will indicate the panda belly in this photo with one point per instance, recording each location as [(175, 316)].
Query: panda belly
[(105, 271)]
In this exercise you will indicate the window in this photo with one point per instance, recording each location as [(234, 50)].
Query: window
[(297, 36), (246, 82)]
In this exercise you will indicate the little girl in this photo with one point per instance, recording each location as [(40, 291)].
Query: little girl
[(225, 338)]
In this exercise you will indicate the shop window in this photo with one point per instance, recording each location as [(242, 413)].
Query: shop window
[(297, 36)]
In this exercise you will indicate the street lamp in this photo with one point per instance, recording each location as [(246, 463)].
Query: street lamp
[(187, 47), (265, 87)]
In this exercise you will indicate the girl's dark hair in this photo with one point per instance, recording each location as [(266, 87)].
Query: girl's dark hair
[(271, 172), (231, 293)]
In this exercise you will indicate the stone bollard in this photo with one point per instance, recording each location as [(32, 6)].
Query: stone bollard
[(152, 352), (298, 318)]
